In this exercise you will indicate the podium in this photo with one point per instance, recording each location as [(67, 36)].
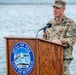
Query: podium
[(48, 56)]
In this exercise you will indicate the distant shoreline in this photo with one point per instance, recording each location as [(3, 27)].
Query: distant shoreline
[(32, 3)]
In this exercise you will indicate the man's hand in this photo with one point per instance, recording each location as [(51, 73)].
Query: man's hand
[(57, 41)]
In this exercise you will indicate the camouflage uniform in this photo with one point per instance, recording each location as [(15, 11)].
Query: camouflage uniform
[(64, 32)]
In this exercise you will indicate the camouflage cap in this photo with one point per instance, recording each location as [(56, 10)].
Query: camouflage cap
[(59, 3)]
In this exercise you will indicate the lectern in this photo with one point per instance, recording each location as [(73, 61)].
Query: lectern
[(33, 56)]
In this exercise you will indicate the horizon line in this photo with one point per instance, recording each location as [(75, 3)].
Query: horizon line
[(9, 3)]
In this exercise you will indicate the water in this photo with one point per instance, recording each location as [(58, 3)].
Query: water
[(25, 21)]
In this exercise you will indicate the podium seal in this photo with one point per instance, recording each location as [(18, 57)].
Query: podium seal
[(22, 58)]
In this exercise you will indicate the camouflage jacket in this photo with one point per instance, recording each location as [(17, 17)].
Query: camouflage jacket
[(64, 32)]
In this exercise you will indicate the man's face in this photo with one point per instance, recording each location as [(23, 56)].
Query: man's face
[(58, 11)]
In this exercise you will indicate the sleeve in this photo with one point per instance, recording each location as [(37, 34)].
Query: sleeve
[(70, 38), (46, 35)]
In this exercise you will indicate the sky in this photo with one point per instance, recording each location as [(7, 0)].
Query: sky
[(51, 1)]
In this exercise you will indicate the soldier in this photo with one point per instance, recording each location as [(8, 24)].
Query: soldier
[(62, 32)]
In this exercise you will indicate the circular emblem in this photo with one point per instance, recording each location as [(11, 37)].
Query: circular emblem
[(22, 58)]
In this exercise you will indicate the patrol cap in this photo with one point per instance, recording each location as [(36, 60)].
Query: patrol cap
[(59, 3)]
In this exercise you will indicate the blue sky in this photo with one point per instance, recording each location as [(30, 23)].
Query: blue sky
[(68, 1)]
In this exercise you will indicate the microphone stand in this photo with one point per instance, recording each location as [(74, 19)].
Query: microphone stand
[(37, 33), (44, 28), (40, 30)]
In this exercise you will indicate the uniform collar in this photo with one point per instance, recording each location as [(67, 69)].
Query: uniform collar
[(60, 21)]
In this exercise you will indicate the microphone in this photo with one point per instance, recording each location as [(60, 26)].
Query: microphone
[(47, 26), (44, 28)]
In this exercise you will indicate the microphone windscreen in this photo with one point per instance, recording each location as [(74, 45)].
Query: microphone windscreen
[(49, 25)]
